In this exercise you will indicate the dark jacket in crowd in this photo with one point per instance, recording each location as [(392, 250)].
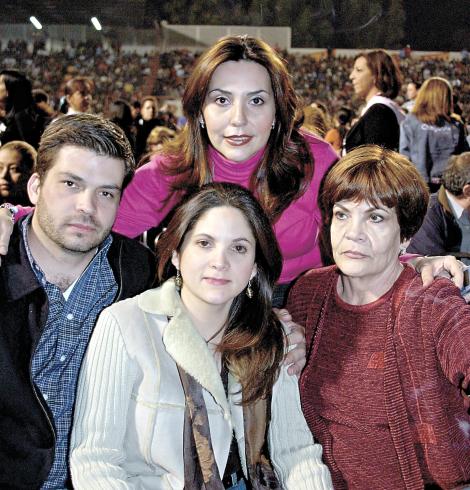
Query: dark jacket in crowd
[(27, 436), (25, 125), (440, 233), (378, 126)]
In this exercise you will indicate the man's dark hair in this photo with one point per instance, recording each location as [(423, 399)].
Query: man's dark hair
[(86, 131)]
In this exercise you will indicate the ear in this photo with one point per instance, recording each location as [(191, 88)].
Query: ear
[(254, 271), (466, 190), (34, 186), (175, 259)]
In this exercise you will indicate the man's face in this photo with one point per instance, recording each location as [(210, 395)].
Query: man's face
[(77, 200)]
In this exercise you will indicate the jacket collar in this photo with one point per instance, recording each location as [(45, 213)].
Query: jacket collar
[(182, 341)]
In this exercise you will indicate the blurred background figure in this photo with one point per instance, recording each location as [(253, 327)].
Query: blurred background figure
[(430, 134), (316, 119), (147, 121), (17, 160), (335, 135), (120, 113), (157, 137), (411, 93), (79, 95), (446, 227), (22, 121), (376, 78), (41, 99)]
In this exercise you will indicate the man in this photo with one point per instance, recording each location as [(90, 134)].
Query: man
[(411, 94), (446, 227), (62, 268)]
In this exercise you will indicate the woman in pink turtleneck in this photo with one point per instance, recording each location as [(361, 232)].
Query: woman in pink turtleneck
[(241, 110)]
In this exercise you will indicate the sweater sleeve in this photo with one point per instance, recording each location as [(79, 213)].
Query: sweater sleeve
[(296, 458), (145, 202), (451, 324), (103, 396)]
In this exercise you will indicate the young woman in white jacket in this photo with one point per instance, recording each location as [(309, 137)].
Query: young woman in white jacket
[(181, 386)]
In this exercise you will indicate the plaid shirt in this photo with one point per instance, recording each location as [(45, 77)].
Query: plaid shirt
[(58, 356)]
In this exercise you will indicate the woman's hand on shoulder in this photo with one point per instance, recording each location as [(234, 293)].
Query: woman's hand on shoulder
[(431, 268), (296, 357)]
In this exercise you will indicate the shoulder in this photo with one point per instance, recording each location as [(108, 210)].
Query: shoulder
[(323, 153), (381, 111), (131, 249)]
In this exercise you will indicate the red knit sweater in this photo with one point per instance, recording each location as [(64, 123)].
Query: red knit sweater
[(426, 362)]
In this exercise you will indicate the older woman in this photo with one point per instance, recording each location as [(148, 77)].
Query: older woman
[(385, 389), (181, 384), (376, 79)]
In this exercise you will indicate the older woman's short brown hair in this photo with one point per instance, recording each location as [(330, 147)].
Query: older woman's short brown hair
[(385, 70), (379, 176)]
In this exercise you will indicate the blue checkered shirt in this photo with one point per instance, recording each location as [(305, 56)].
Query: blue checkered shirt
[(56, 361)]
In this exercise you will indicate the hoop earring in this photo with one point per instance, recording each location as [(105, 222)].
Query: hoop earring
[(249, 290), (178, 279)]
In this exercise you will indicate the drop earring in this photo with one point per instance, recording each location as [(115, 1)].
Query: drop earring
[(249, 290), (201, 122), (178, 279)]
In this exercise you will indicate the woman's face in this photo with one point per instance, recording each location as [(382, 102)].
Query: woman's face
[(365, 239), (362, 79), (148, 111), (13, 174), (216, 260), (239, 110), (80, 100)]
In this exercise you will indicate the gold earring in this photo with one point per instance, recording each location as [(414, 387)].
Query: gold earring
[(249, 290), (178, 279)]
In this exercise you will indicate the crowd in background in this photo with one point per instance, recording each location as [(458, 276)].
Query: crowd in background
[(124, 75)]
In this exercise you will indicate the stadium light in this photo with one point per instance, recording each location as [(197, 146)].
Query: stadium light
[(96, 23), (35, 22)]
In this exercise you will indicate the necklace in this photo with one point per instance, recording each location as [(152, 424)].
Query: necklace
[(212, 337)]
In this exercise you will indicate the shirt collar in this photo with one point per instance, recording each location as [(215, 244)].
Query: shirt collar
[(457, 209)]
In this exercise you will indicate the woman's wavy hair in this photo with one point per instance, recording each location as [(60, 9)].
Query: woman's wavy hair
[(385, 70), (379, 176), (287, 164), (253, 342), (434, 102), (19, 90)]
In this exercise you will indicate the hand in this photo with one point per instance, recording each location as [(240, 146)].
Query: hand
[(6, 228), (296, 357), (433, 267)]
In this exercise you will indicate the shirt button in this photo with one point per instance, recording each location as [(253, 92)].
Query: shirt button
[(43, 282), (62, 358), (70, 316), (45, 397)]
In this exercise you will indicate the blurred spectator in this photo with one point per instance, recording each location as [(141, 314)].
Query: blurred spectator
[(411, 93), (315, 120), (120, 113), (376, 78), (430, 135), (335, 135), (148, 120), (157, 137), (41, 99), (17, 160), (23, 120), (446, 227), (135, 110), (79, 93)]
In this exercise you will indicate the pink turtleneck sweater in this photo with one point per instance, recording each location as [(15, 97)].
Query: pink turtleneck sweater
[(296, 230)]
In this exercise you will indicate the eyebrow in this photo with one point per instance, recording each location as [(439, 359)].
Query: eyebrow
[(72, 176), (239, 239), (227, 92), (368, 210)]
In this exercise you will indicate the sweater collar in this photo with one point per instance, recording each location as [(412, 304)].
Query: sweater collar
[(224, 167), (183, 342)]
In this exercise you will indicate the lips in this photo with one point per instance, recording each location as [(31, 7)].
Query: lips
[(215, 281), (82, 227), (353, 254), (238, 140)]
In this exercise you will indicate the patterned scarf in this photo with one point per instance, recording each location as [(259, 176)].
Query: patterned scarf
[(200, 467)]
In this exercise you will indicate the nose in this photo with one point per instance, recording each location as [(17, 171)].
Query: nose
[(351, 75), (355, 230), (86, 202), (4, 173), (219, 259), (238, 115)]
